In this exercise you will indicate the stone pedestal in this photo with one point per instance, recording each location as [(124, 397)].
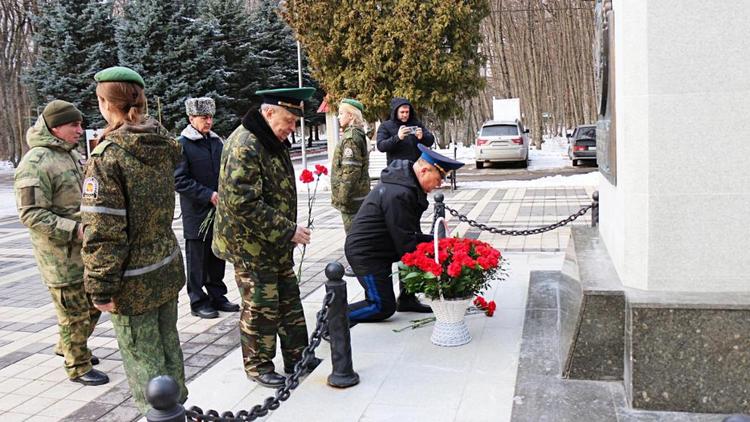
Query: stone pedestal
[(676, 218)]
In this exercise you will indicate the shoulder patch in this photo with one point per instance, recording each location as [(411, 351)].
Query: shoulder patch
[(101, 147), (90, 188), (348, 153)]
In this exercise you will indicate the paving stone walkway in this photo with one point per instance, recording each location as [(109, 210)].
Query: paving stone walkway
[(33, 384)]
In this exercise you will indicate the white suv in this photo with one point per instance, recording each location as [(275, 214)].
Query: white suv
[(502, 141)]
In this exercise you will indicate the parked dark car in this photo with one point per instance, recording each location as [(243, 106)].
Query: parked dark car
[(582, 144)]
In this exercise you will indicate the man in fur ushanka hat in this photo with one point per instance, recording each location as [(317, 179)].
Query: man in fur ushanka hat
[(197, 181)]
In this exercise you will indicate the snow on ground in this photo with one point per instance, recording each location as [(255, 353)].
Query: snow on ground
[(6, 167), (553, 154)]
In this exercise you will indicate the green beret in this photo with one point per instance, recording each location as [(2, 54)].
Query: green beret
[(119, 74), (354, 103), (59, 112)]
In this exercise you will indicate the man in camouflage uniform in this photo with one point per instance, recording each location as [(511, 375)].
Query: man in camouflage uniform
[(256, 229), (48, 196), (133, 263)]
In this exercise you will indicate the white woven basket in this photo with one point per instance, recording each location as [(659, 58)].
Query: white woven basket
[(450, 328)]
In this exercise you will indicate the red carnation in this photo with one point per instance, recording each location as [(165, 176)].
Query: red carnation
[(306, 176), (321, 169)]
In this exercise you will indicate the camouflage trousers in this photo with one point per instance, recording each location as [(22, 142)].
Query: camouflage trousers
[(149, 346), (347, 219), (76, 319), (271, 306)]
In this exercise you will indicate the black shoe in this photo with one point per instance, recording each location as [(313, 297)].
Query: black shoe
[(310, 366), (270, 380), (409, 303), (349, 272), (92, 377), (206, 312), (94, 359), (227, 307)]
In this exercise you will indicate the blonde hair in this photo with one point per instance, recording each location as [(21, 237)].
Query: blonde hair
[(127, 102), (357, 119)]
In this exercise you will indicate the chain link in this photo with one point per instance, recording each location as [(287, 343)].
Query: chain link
[(195, 413), (527, 232)]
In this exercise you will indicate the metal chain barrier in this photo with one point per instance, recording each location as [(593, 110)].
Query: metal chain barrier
[(527, 232), (195, 413)]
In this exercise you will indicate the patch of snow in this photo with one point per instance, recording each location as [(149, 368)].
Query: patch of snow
[(6, 167)]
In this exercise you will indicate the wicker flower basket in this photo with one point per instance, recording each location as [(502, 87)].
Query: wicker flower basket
[(450, 327)]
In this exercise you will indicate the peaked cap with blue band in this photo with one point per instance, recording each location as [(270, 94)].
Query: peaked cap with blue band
[(441, 162), (291, 99)]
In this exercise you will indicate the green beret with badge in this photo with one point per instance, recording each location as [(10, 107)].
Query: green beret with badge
[(291, 99), (354, 103), (119, 74)]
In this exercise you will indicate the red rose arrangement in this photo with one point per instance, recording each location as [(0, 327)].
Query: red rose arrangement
[(463, 269), (487, 307), (308, 177)]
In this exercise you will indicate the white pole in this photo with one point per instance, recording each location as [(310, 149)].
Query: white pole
[(302, 119)]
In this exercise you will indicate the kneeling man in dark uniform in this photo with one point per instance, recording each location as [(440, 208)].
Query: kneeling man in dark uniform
[(386, 227)]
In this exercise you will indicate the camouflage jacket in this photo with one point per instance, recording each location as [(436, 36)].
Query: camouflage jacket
[(130, 252), (48, 196), (350, 177), (257, 212)]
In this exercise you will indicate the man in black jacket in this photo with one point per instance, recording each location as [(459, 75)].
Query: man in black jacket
[(196, 180), (399, 136), (386, 227)]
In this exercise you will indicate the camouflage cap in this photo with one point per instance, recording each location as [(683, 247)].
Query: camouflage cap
[(203, 106), (291, 99), (119, 74)]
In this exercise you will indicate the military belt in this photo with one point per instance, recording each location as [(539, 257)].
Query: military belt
[(143, 270), (104, 210)]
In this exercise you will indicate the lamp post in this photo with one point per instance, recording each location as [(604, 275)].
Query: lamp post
[(302, 119)]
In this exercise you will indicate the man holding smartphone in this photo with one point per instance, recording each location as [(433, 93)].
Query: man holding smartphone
[(399, 136)]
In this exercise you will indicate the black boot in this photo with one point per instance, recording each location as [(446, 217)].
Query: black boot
[(310, 366), (409, 303), (92, 377), (270, 379)]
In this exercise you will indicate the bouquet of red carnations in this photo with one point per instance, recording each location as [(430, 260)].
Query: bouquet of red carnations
[(464, 268)]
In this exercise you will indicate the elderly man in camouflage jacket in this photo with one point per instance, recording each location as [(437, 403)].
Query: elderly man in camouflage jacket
[(48, 196), (256, 229)]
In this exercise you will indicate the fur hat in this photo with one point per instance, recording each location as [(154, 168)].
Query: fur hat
[(203, 106), (59, 112)]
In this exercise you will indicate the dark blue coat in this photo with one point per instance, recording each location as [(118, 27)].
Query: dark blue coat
[(397, 149), (387, 224), (197, 177)]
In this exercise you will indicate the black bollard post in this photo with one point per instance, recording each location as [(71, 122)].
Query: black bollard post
[(439, 212), (163, 394), (343, 374), (595, 209)]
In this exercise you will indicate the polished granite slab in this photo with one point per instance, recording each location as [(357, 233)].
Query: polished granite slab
[(592, 310), (541, 393)]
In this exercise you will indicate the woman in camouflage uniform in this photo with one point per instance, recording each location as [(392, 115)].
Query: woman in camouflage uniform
[(350, 176), (133, 263)]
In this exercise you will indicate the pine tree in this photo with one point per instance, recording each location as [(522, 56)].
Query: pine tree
[(233, 44), (275, 46), (374, 50), (167, 43), (70, 50)]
